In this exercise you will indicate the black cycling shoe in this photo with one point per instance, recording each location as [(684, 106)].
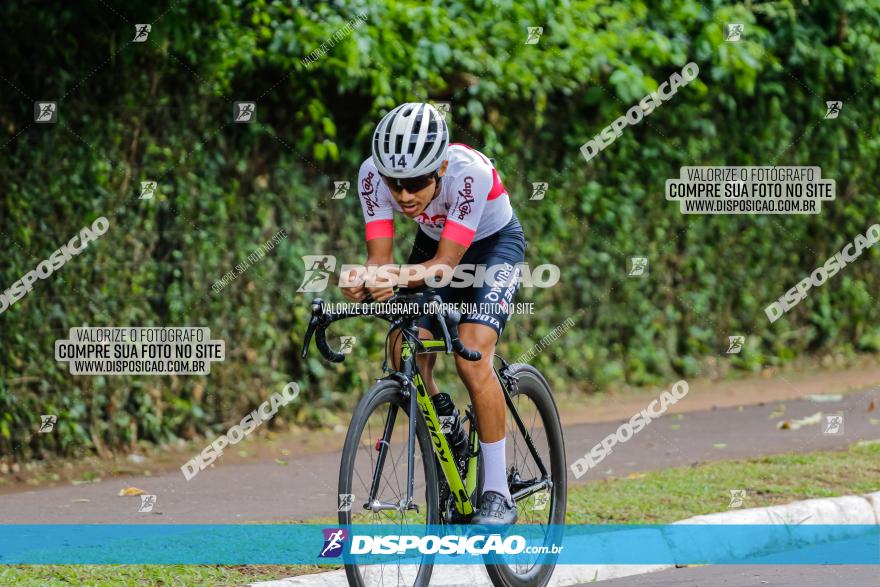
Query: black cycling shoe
[(494, 511)]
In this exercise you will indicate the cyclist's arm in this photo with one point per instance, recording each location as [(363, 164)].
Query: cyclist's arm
[(380, 251), (379, 224), (375, 204)]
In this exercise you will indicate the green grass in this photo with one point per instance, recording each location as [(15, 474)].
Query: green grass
[(653, 498), (143, 575), (661, 497)]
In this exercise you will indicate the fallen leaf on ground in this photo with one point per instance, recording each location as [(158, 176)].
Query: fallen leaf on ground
[(824, 397), (778, 412), (281, 462), (80, 500), (720, 445), (675, 426), (130, 491), (874, 420), (872, 406), (794, 424), (635, 475)]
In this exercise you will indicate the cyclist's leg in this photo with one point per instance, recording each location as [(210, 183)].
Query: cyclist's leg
[(496, 504), (480, 380), (490, 408), (425, 362), (481, 330)]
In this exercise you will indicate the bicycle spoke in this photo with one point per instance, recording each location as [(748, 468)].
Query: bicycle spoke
[(398, 494)]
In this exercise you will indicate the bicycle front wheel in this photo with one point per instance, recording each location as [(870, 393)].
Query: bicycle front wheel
[(544, 511), (382, 419)]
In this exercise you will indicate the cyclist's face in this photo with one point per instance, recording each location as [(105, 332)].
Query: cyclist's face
[(414, 202)]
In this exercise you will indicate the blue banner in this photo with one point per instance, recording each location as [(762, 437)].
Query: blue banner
[(368, 544)]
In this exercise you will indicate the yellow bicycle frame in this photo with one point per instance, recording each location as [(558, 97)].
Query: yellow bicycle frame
[(461, 489)]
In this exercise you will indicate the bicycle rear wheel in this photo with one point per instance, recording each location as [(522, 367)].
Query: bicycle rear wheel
[(537, 410), (385, 408)]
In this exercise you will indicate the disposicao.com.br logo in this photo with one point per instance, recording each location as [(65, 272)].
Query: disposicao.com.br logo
[(394, 544), (334, 541)]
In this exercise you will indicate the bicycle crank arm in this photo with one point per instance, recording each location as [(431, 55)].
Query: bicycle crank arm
[(380, 506), (532, 489)]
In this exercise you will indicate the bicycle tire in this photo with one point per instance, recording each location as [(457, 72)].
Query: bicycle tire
[(531, 383), (383, 392)]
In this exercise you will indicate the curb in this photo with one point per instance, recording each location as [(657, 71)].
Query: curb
[(847, 510)]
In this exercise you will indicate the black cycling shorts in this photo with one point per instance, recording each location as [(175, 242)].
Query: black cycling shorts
[(492, 304)]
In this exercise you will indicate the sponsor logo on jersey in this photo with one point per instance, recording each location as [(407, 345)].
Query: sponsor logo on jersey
[(438, 220), (467, 198), (367, 190)]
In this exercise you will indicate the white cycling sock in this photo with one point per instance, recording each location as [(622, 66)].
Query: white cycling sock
[(495, 468)]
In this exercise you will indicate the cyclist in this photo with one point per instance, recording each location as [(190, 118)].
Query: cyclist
[(465, 217)]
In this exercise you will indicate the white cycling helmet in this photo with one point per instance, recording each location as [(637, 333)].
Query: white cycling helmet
[(410, 141)]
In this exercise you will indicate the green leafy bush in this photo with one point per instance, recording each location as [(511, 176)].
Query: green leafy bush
[(161, 110)]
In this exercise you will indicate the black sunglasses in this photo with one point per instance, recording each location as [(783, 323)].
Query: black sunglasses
[(410, 184)]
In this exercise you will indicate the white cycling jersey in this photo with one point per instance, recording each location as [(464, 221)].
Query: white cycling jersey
[(472, 203)]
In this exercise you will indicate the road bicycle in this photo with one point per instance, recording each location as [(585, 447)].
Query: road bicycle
[(395, 426)]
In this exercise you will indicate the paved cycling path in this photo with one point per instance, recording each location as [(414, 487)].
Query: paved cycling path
[(750, 576), (305, 487)]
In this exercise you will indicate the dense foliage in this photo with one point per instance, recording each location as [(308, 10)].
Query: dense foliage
[(162, 110)]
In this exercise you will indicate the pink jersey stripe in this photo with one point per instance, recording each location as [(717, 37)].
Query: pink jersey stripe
[(380, 229), (458, 233), (497, 187)]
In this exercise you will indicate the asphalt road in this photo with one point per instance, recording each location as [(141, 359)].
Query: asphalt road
[(306, 487), (754, 576), (760, 574)]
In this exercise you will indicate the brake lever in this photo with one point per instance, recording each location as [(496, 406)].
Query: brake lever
[(317, 312), (310, 331), (447, 339)]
